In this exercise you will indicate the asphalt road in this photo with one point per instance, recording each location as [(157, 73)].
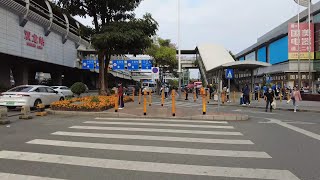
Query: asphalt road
[(282, 145)]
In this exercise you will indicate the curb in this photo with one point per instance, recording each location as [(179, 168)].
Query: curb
[(236, 117), (282, 109)]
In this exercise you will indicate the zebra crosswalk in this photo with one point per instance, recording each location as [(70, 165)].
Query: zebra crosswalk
[(144, 145)]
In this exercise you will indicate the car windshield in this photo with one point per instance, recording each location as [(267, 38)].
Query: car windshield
[(21, 89)]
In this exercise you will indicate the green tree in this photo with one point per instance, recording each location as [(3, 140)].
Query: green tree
[(104, 13), (121, 37), (164, 56)]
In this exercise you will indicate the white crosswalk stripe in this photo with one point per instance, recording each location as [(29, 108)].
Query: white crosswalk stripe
[(164, 120), (159, 124), (170, 150), (8, 176), (151, 166), (226, 133), (155, 143), (154, 138)]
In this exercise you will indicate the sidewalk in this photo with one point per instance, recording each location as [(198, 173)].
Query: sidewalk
[(303, 106)]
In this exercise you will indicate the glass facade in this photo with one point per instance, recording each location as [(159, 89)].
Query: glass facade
[(262, 54), (278, 51)]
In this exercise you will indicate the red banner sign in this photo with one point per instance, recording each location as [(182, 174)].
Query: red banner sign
[(305, 40), (33, 40)]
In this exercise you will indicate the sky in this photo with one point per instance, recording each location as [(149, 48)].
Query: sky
[(234, 24)]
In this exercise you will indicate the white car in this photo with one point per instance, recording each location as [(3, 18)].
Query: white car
[(63, 90), (29, 95)]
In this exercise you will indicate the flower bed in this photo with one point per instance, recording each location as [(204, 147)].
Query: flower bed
[(88, 103)]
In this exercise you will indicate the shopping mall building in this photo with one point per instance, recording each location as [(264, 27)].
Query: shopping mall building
[(35, 36), (279, 48)]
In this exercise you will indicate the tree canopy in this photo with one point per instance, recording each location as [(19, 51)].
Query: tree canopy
[(164, 54), (116, 30)]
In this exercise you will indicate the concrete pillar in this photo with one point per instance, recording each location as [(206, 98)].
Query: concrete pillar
[(56, 78), (5, 76), (20, 75)]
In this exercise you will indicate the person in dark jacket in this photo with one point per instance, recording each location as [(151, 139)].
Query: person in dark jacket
[(269, 97), (246, 94), (120, 94)]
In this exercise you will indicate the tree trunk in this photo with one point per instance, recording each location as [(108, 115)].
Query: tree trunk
[(106, 70), (102, 90)]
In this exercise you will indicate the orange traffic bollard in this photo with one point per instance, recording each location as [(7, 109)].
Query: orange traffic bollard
[(194, 95), (258, 96), (139, 96), (173, 96), (133, 95), (204, 103), (150, 98), (234, 96), (222, 97), (162, 97), (145, 103), (116, 103), (208, 96)]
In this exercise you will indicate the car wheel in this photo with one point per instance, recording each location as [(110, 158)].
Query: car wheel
[(36, 103), (61, 99), (11, 107)]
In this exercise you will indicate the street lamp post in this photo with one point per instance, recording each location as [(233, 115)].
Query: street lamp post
[(179, 51), (305, 3)]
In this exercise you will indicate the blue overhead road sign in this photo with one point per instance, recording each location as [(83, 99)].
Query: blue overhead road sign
[(118, 64), (146, 64), (88, 64), (133, 65), (229, 74)]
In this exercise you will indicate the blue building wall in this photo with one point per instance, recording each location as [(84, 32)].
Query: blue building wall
[(262, 54), (278, 51)]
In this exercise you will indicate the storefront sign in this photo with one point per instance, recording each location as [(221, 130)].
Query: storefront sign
[(304, 41), (33, 40)]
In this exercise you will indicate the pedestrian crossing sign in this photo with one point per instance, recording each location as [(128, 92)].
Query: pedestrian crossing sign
[(229, 74)]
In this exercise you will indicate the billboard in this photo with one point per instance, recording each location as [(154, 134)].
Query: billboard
[(304, 41)]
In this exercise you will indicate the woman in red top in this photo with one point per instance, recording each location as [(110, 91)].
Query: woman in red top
[(120, 94)]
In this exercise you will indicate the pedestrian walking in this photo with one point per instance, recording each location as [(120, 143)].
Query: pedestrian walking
[(120, 94), (166, 91), (269, 97), (211, 90), (186, 90), (246, 94), (256, 90), (295, 97)]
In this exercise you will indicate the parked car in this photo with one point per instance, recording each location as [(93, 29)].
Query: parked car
[(29, 95), (63, 90)]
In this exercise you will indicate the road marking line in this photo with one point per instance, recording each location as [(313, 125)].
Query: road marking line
[(154, 138), (158, 130), (163, 120), (8, 176), (299, 130), (154, 149), (159, 124), (297, 122), (214, 171)]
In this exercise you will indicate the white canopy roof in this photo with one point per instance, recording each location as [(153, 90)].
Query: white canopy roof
[(214, 56)]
